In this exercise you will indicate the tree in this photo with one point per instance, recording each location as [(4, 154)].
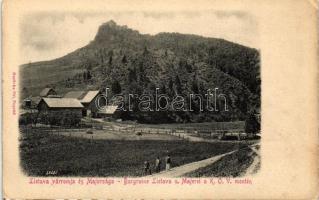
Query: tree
[(195, 88), (170, 90), (178, 85), (84, 75), (60, 118), (124, 59), (170, 84), (89, 76), (116, 87), (163, 89), (252, 125), (166, 54), (142, 78), (145, 51), (132, 75), (110, 60), (28, 118)]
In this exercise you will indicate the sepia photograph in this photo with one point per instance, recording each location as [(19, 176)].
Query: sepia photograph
[(105, 99), (140, 94)]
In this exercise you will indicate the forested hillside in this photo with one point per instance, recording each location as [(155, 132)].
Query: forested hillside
[(129, 62)]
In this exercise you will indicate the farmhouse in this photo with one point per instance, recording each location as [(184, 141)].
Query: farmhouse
[(87, 99), (47, 91), (55, 105)]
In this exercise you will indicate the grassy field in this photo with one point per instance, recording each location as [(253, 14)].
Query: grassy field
[(116, 135), (70, 156), (232, 165)]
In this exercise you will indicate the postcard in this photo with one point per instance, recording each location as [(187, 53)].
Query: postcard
[(160, 99)]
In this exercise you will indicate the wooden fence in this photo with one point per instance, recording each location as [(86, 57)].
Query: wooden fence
[(181, 133)]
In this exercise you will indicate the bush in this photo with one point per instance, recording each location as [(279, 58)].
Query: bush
[(89, 132), (252, 126), (27, 118), (61, 118)]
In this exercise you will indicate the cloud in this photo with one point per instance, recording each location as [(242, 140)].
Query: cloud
[(47, 36), (238, 14), (159, 15)]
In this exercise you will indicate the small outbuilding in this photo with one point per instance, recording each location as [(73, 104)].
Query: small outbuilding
[(110, 111), (27, 103)]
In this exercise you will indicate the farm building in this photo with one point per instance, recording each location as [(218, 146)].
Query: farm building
[(27, 102), (68, 105), (109, 111), (75, 95), (47, 91), (28, 106), (30, 102), (87, 99)]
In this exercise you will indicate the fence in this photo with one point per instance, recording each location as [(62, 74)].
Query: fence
[(181, 133)]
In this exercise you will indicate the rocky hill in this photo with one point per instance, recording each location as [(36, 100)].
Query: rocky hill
[(129, 62)]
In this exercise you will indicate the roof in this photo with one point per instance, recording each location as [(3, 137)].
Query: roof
[(75, 94), (62, 103), (35, 100), (45, 92), (108, 110), (23, 111), (54, 96), (90, 95)]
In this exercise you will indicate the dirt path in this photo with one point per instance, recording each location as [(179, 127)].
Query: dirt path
[(253, 168), (192, 138), (181, 170)]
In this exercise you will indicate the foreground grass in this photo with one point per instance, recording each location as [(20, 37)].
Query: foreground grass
[(232, 165), (69, 156)]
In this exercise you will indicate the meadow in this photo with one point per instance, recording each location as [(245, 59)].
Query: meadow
[(41, 152), (204, 125)]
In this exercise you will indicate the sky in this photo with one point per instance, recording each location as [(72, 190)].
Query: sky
[(49, 35)]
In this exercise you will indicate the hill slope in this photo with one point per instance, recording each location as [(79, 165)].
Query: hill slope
[(130, 62)]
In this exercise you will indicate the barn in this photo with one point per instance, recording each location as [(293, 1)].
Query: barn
[(87, 99), (89, 103), (75, 95), (68, 105), (47, 91)]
